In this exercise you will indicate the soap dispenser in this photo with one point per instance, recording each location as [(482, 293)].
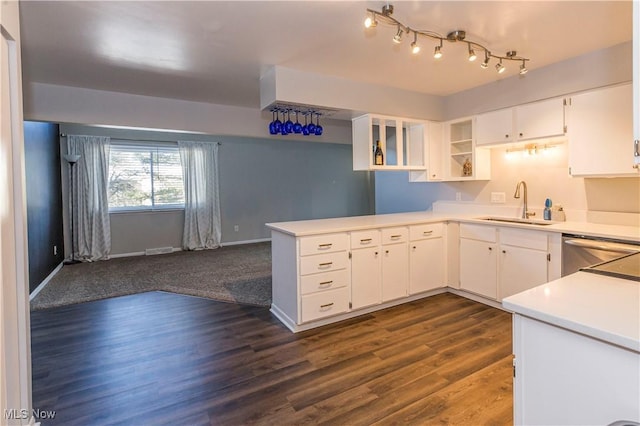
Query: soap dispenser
[(546, 214)]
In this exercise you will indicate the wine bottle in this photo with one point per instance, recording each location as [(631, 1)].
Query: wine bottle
[(378, 155)]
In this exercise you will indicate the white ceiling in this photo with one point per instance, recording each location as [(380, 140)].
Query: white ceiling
[(215, 51)]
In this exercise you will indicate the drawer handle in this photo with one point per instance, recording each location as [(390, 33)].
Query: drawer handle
[(324, 246), (326, 305), (427, 232), (395, 236), (365, 240), (325, 264), (326, 283)]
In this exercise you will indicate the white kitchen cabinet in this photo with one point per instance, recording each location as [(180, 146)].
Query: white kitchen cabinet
[(427, 261), (460, 149), (523, 260), (478, 267), (536, 120), (497, 262), (636, 83), (566, 378), (366, 269), (600, 128), (403, 142), (495, 127), (433, 159), (395, 263)]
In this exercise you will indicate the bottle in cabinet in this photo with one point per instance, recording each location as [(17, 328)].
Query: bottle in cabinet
[(378, 156)]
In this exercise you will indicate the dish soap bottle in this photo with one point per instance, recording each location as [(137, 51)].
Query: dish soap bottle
[(546, 214), (378, 155)]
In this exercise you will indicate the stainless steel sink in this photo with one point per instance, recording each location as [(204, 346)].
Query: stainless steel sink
[(517, 220)]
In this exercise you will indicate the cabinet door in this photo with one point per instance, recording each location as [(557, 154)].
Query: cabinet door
[(435, 152), (495, 127), (540, 119), (395, 271), (426, 265), (478, 267), (521, 269), (600, 128), (366, 282)]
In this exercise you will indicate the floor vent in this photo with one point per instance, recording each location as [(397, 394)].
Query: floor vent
[(158, 250)]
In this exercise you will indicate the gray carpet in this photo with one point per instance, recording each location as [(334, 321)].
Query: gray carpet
[(238, 274)]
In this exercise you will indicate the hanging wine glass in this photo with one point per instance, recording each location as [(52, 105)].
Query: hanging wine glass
[(297, 127), (277, 125), (272, 125), (289, 124), (283, 127), (305, 128), (319, 128), (311, 126)]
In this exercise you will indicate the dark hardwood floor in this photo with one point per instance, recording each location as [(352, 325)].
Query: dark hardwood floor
[(165, 359)]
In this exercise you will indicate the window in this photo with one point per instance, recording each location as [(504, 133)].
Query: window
[(145, 177)]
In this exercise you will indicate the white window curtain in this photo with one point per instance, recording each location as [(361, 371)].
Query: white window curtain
[(202, 229), (92, 228)]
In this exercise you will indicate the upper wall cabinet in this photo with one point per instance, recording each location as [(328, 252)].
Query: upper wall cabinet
[(432, 154), (462, 160), (600, 128), (537, 120), (403, 142)]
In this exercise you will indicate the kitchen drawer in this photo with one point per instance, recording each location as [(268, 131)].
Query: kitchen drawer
[(428, 230), (324, 281), (362, 239), (323, 263), (395, 235), (325, 304), (478, 232), (535, 240), (326, 243)]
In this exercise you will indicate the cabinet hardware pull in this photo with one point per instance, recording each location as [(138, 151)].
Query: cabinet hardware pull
[(326, 264), (504, 251), (396, 236), (376, 253), (327, 245), (387, 251), (490, 248), (326, 305), (326, 282), (414, 247), (365, 240), (521, 134), (506, 136), (636, 153), (427, 232)]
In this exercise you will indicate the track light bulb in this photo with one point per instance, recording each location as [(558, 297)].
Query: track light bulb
[(523, 69), (370, 22), (437, 53), (398, 37), (499, 67), (472, 55), (415, 49)]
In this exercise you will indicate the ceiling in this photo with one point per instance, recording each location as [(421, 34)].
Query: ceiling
[(215, 51)]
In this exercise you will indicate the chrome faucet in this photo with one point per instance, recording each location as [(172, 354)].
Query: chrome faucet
[(525, 212)]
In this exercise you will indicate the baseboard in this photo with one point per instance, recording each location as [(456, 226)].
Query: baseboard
[(476, 298), (235, 243), (38, 289), (138, 253)]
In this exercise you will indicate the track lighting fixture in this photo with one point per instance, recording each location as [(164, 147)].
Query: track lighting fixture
[(385, 16), (523, 69), (438, 52), (485, 63), (472, 54), (398, 37), (415, 49)]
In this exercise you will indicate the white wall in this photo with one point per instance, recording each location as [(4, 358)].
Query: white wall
[(63, 104)]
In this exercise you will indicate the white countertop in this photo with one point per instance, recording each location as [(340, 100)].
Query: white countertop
[(344, 224), (603, 307)]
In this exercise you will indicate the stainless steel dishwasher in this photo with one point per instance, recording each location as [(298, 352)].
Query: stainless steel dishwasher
[(579, 251)]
